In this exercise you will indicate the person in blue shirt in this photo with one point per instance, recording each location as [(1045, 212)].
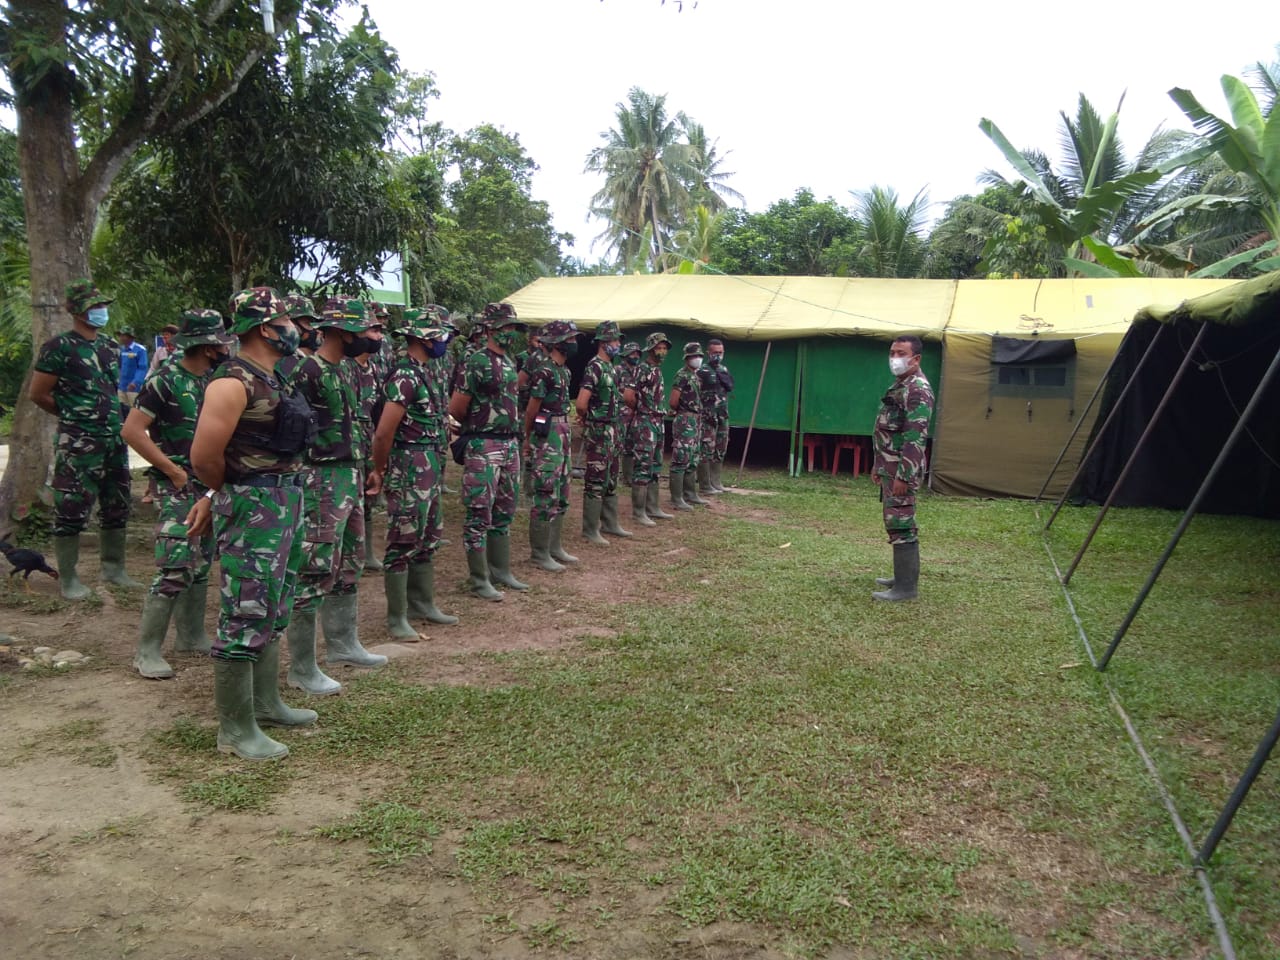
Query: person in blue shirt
[(133, 366)]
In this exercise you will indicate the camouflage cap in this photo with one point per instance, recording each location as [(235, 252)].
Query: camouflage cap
[(608, 330), (348, 315), (558, 331), (442, 317), (377, 309), (301, 308), (127, 331), (630, 347), (200, 328), (255, 306), (653, 339), (693, 349), (82, 294), (495, 315), (421, 324)]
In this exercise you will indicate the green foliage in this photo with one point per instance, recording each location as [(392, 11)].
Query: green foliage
[(394, 832), (891, 242), (796, 237), (15, 296)]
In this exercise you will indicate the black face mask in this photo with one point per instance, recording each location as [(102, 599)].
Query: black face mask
[(309, 339), (569, 348), (715, 359), (218, 358), (355, 348)]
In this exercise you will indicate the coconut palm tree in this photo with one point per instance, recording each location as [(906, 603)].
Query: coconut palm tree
[(891, 244), (707, 188)]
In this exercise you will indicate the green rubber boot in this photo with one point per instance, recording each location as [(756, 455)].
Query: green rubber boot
[(609, 517), (639, 497), (539, 548), (422, 595), (628, 469), (906, 573), (188, 620), (268, 709), (304, 674), (396, 586), (478, 567), (558, 552), (372, 563), (66, 551), (651, 506), (342, 644), (717, 481), (704, 479), (111, 550), (498, 553), (156, 611), (676, 482), (238, 731), (691, 480), (592, 508)]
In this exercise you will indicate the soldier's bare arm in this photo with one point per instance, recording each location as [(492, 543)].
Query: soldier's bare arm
[(459, 403), (675, 400), (583, 404), (134, 433), (41, 393), (530, 411), (224, 402)]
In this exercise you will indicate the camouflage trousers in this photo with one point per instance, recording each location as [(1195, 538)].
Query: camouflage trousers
[(626, 433), (648, 450), (415, 516), (88, 470), (600, 444), (332, 532), (715, 437), (899, 515), (180, 561), (490, 486), (686, 442), (549, 463), (259, 534)]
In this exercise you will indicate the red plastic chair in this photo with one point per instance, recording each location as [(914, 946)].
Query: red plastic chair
[(815, 443), (859, 447)]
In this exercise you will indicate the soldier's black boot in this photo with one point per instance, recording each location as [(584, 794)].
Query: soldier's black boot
[(540, 546), (339, 620), (238, 731), (304, 674), (111, 545), (676, 482), (558, 552), (592, 508), (498, 552), (396, 587), (651, 507), (691, 480), (609, 517), (906, 573), (268, 709), (639, 497), (67, 552), (478, 567), (421, 595), (188, 620), (156, 611)]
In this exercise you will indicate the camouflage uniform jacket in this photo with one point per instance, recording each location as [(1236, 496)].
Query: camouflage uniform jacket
[(902, 428), (603, 381), (717, 384), (490, 382), (438, 373), (410, 386), (529, 362), (459, 376), (690, 391), (330, 389), (85, 395), (648, 385), (171, 398), (245, 455), (368, 380), (549, 382)]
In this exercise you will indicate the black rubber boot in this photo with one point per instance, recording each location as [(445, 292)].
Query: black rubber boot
[(906, 573)]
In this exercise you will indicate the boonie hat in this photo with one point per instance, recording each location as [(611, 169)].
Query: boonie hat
[(200, 328), (255, 306), (608, 330), (630, 347), (495, 315), (301, 308), (422, 324), (654, 339), (693, 349), (82, 294), (345, 315), (557, 331)]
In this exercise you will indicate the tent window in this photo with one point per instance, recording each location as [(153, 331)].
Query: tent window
[(1032, 369), (1031, 381)]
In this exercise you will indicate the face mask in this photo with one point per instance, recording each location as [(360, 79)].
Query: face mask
[(506, 338), (437, 349), (289, 340), (569, 348), (308, 339), (695, 363), (97, 317), (613, 351), (633, 360), (715, 359), (218, 359), (355, 348), (899, 365)]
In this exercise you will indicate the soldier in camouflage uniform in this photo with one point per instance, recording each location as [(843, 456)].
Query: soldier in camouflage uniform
[(626, 372), (527, 363), (646, 397), (901, 432), (717, 384), (333, 540), (248, 450), (440, 373), (599, 406), (303, 314), (407, 451), (160, 428), (485, 405), (547, 442), (370, 370), (686, 430), (75, 378)]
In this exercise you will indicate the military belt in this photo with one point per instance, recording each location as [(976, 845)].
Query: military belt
[(269, 480)]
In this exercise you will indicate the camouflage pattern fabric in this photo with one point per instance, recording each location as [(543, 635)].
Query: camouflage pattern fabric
[(171, 398), (333, 536), (244, 456), (646, 423), (180, 562), (332, 392), (549, 458), (601, 434), (899, 438), (438, 379), (85, 393), (409, 385), (686, 428), (88, 470), (415, 521), (717, 384), (490, 382), (490, 486), (258, 530)]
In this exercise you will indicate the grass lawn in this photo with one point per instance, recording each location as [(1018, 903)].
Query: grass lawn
[(760, 744)]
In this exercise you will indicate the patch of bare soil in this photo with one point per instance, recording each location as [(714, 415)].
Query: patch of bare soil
[(99, 859)]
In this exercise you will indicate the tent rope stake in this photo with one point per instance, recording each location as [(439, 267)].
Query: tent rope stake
[(1137, 448)]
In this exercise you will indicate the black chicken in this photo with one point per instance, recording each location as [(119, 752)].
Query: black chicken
[(26, 562)]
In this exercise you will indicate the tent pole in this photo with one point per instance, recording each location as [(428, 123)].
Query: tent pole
[(1239, 793), (1097, 439), (1079, 423), (793, 469), (1133, 454), (764, 366), (1236, 433)]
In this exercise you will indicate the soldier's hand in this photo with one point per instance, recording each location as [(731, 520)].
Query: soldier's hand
[(178, 478), (373, 483), (900, 488), (199, 519)]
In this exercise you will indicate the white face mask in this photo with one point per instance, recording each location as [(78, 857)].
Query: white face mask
[(97, 317), (695, 363), (899, 365)]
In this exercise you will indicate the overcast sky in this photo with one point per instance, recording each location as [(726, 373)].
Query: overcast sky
[(834, 96)]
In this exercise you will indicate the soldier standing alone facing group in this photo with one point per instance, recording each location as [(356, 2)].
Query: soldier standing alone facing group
[(717, 383)]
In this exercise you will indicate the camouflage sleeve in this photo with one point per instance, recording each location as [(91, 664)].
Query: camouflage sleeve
[(543, 382), (918, 408), (475, 375), (151, 398), (399, 388), (590, 377), (51, 360)]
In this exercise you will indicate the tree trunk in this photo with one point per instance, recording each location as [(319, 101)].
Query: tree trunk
[(58, 239)]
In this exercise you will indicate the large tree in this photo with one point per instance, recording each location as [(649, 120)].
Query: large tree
[(92, 82), (801, 236), (892, 244)]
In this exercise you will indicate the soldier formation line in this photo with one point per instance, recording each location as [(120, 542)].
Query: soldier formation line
[(271, 436)]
